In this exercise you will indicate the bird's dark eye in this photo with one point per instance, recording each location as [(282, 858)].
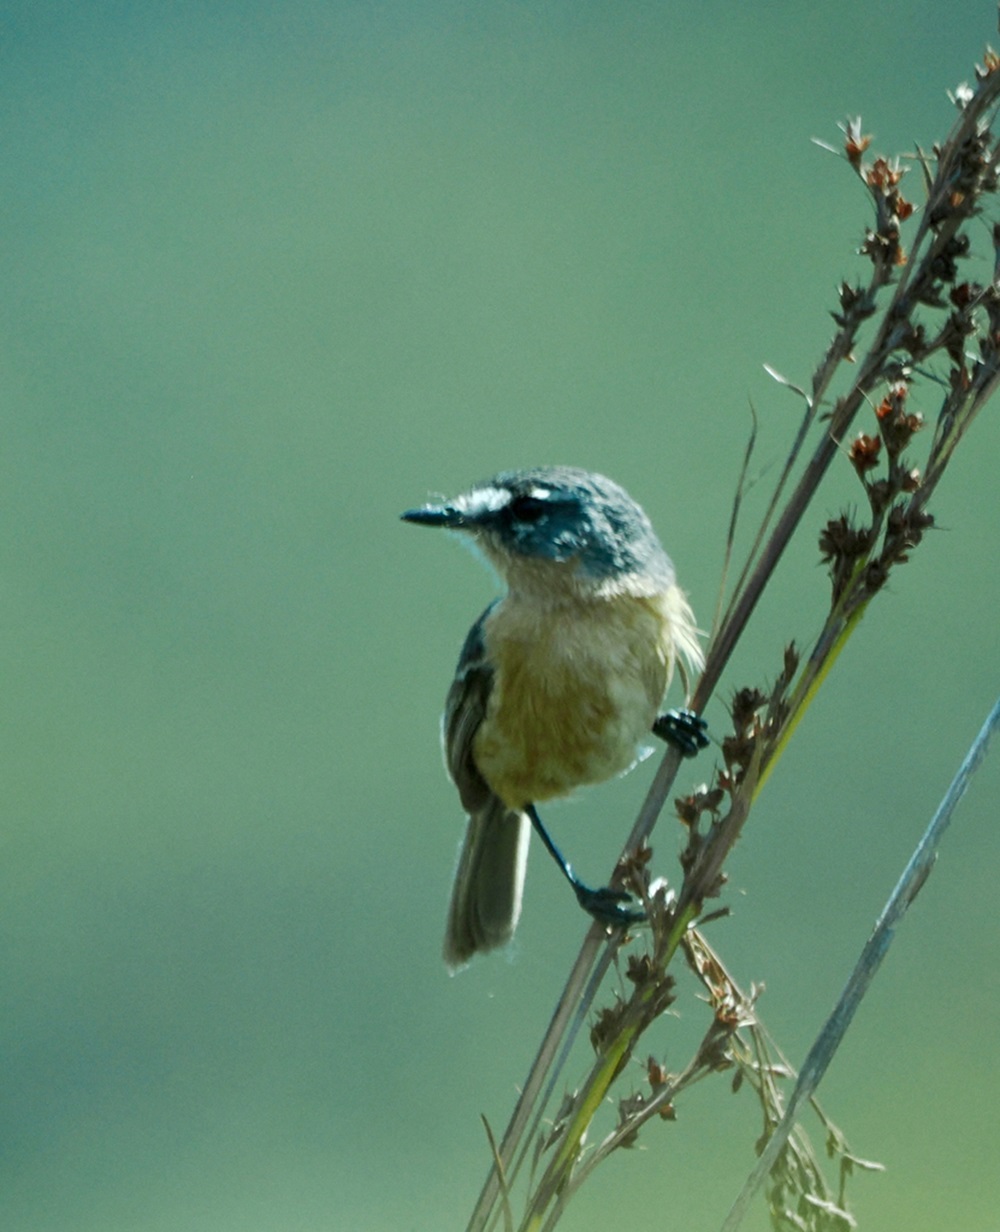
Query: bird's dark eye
[(528, 508)]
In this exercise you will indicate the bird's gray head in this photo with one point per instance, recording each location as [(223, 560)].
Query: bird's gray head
[(562, 515)]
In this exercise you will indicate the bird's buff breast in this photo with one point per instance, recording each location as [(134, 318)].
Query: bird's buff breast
[(576, 688)]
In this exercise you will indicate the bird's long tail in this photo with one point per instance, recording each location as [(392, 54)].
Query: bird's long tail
[(489, 880)]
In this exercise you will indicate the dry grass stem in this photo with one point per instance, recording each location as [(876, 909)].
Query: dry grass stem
[(915, 323)]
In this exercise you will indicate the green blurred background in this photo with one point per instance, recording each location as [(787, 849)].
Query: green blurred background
[(274, 273)]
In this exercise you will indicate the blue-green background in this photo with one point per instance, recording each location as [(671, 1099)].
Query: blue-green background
[(272, 274)]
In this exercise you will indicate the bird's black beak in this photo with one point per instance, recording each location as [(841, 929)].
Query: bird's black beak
[(436, 515)]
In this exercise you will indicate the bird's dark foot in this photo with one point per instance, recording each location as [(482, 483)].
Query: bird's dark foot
[(684, 729), (608, 906)]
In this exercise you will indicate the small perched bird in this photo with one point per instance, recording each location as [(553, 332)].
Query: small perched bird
[(559, 681)]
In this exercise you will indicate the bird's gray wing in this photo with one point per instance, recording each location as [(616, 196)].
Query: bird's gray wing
[(489, 879), (464, 710)]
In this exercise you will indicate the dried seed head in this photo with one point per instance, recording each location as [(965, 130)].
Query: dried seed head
[(855, 143), (864, 452)]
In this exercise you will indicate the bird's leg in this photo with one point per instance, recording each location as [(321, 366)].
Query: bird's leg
[(606, 905), (683, 729)]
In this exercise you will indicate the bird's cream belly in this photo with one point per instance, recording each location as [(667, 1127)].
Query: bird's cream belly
[(575, 691)]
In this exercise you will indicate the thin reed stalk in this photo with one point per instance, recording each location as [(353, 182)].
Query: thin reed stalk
[(914, 321)]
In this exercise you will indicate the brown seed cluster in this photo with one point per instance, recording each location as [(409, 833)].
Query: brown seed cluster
[(864, 555)]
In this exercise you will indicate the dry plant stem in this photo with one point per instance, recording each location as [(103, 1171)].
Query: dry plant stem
[(615, 1051), (569, 1013), (701, 959), (759, 1063), (693, 1073), (882, 364), (910, 883), (878, 368)]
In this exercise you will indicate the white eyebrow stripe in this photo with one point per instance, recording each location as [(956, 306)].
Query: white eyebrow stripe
[(484, 500)]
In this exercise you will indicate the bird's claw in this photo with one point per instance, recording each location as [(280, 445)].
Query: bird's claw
[(607, 906), (684, 729)]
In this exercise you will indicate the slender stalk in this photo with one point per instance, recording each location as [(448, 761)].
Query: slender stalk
[(963, 175), (917, 870)]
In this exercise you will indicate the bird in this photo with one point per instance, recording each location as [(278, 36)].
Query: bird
[(559, 681)]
